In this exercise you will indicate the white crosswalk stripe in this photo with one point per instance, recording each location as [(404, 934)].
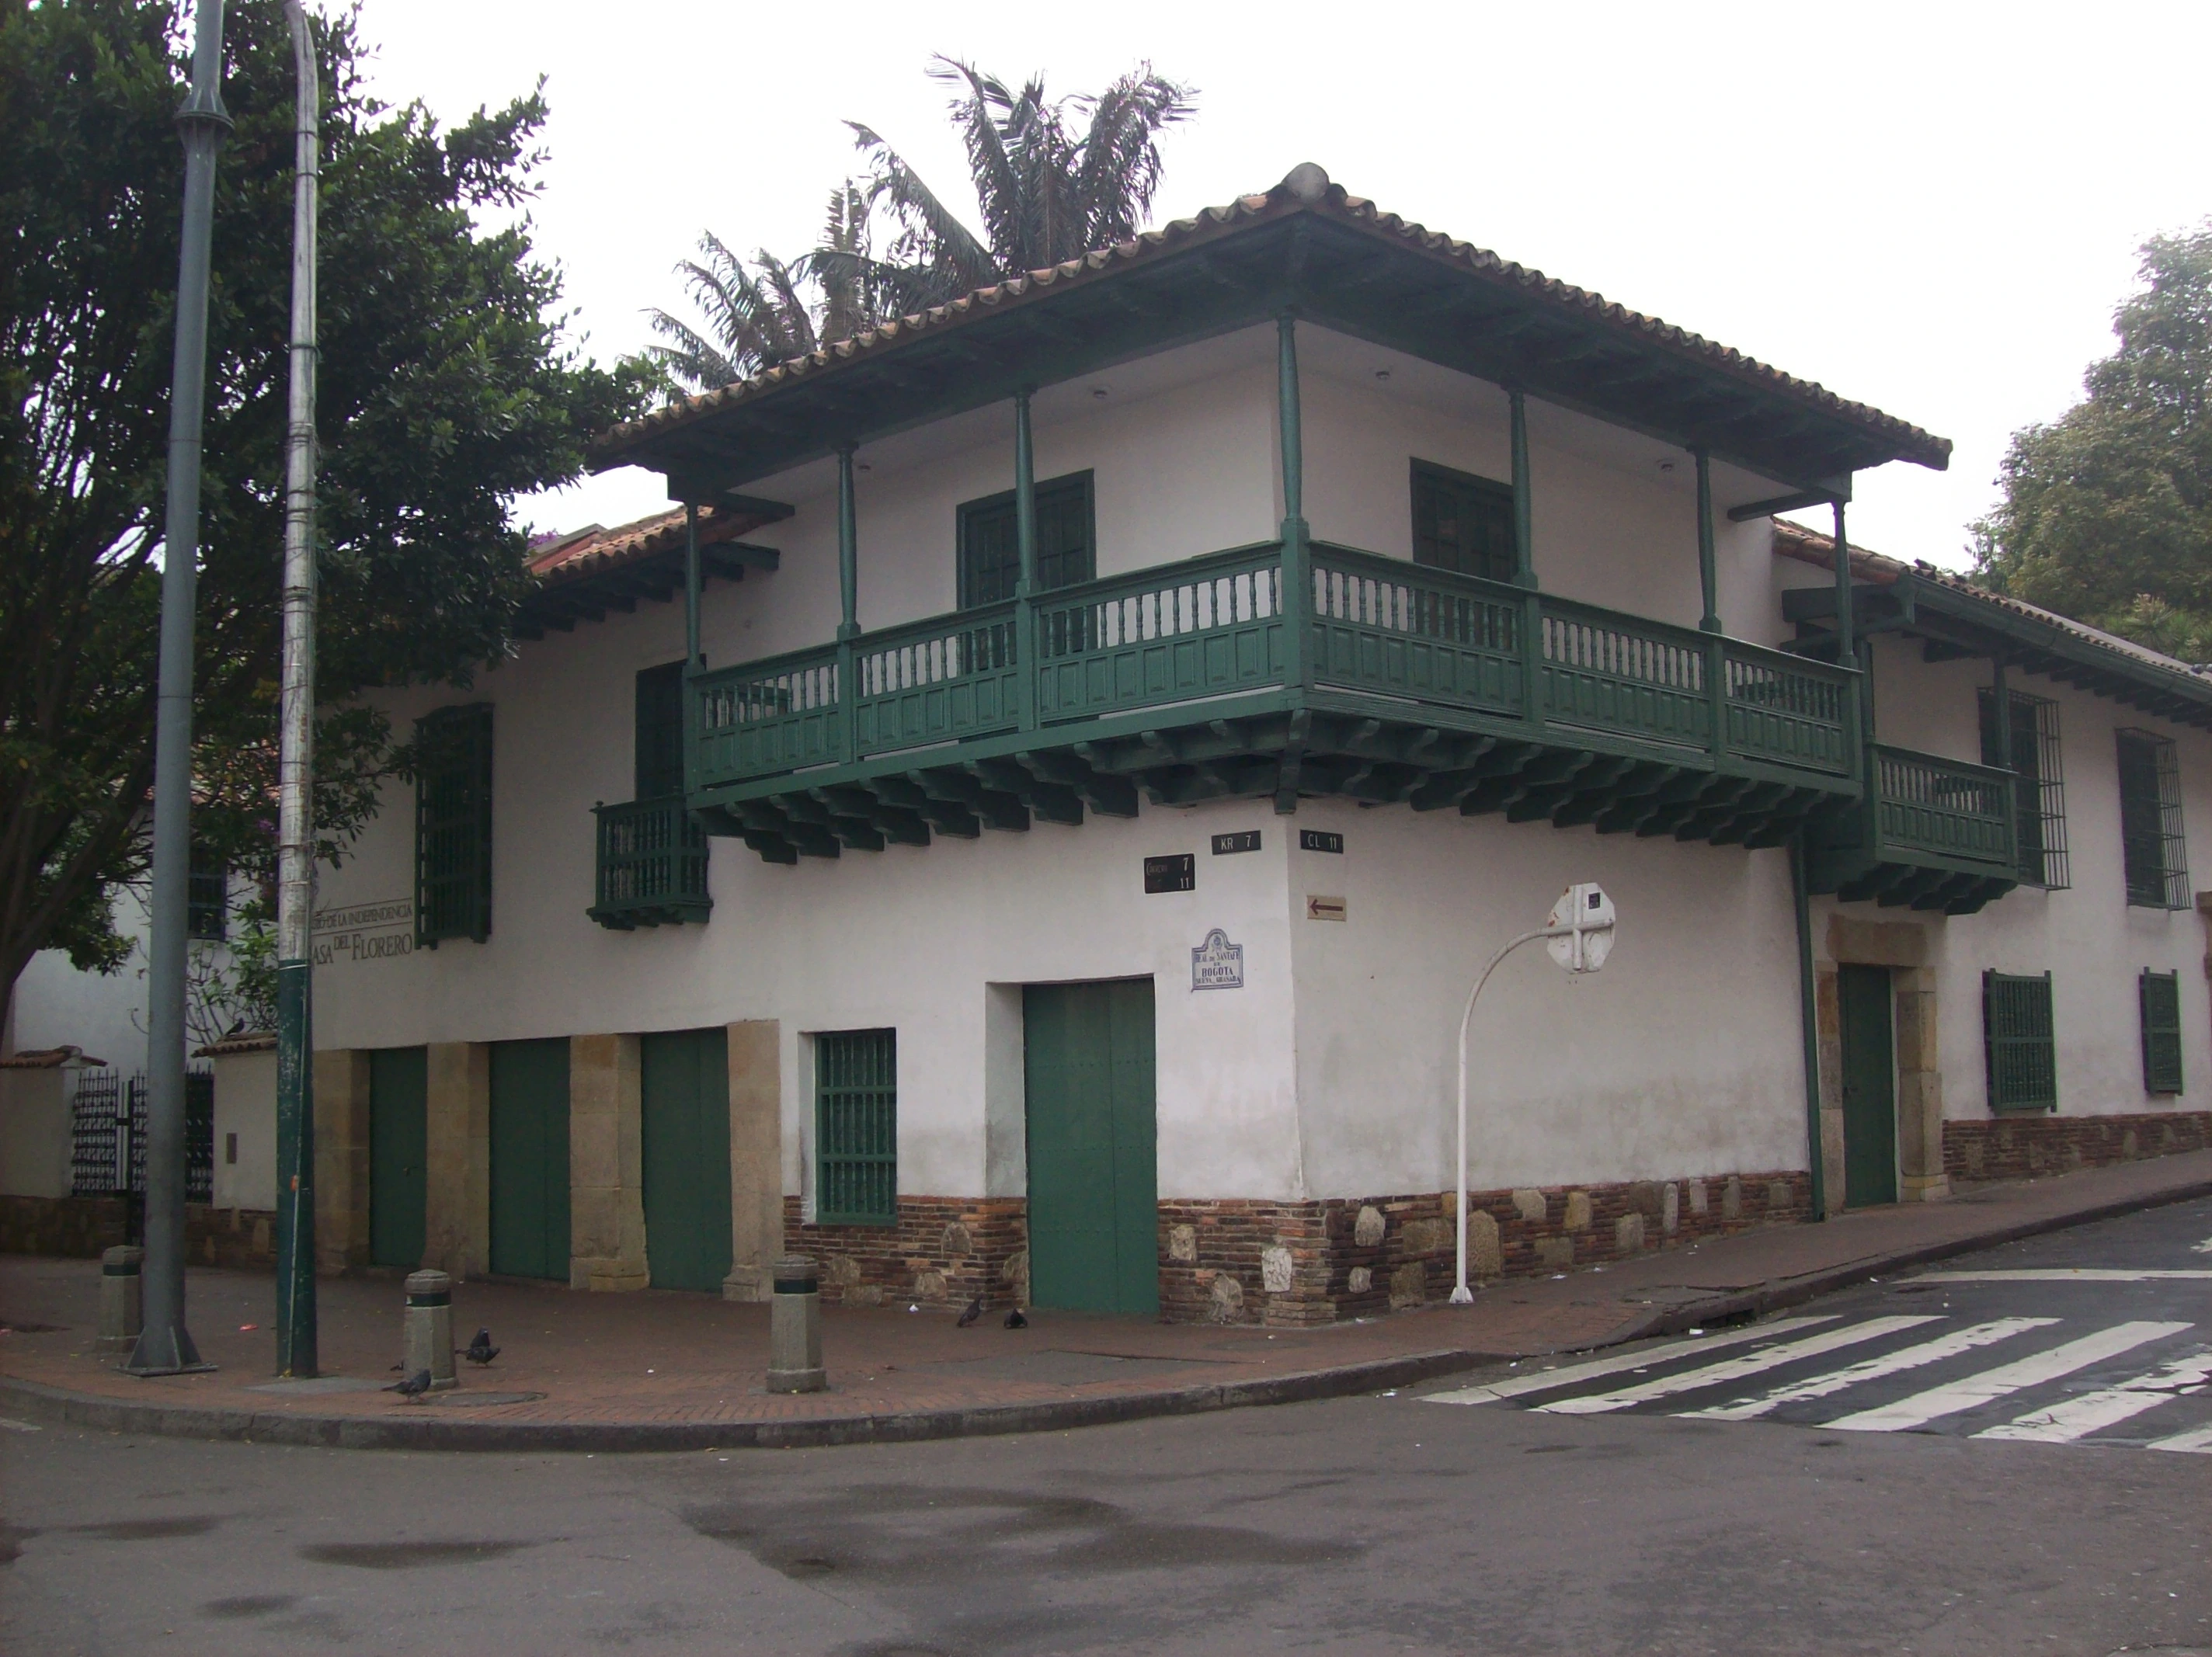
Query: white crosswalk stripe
[(1542, 1381), (1958, 1342), (1735, 1368), (2078, 1418), (1698, 1378), (1954, 1397), (2071, 1274)]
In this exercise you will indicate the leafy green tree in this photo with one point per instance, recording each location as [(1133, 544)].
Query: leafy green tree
[(750, 319), (1055, 179), (447, 386), (2107, 511)]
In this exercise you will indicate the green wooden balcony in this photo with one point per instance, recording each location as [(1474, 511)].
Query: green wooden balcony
[(1383, 682), (651, 864), (1934, 834)]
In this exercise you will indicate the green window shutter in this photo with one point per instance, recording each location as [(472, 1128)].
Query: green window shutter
[(452, 824), (1462, 523), (2150, 822), (659, 750), (207, 899), (856, 1127), (2021, 1058), (990, 547), (2160, 996)]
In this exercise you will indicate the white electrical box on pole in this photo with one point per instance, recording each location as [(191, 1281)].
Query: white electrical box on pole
[(1579, 935)]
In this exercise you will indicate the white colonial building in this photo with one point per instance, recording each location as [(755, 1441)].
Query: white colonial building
[(1112, 717)]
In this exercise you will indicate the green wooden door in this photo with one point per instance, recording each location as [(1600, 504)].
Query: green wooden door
[(530, 1158), (399, 1154), (685, 1083), (1869, 1069), (1094, 1187)]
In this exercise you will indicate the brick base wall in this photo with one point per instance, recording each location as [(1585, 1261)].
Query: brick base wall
[(74, 1228), (80, 1228), (2025, 1147), (242, 1238), (943, 1251), (1295, 1264)]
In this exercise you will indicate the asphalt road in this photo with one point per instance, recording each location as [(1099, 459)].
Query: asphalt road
[(1746, 1492)]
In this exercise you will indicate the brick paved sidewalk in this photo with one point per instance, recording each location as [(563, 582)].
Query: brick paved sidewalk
[(664, 1371)]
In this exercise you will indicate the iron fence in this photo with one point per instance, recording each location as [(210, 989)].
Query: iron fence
[(107, 1135)]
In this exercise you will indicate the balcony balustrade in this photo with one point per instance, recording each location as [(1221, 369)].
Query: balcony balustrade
[(651, 864), (1932, 833), (1382, 681)]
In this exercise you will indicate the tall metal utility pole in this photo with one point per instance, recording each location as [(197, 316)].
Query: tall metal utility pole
[(165, 1346), (295, 763)]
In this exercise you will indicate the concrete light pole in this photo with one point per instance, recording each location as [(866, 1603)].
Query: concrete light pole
[(295, 762), (165, 1346), (1580, 929)]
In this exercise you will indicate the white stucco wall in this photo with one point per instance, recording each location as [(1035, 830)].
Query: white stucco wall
[(245, 1104), (102, 1013), (2092, 942), (1681, 1057), (1655, 1074)]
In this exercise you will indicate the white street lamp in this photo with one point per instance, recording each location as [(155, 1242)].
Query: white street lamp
[(1579, 934)]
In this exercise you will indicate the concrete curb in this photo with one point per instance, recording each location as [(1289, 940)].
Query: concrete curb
[(1776, 1295), (422, 1429)]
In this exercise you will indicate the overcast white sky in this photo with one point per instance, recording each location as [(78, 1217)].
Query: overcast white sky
[(1930, 208)]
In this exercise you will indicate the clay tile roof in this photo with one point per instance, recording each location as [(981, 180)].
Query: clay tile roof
[(52, 1059), (1305, 190), (592, 551), (245, 1042), (2121, 655)]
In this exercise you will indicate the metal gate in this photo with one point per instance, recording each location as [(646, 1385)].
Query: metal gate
[(107, 1135)]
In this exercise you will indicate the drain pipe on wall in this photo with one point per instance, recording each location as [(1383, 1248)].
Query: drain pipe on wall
[(1809, 1018)]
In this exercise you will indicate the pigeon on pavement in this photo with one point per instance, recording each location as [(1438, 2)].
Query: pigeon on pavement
[(480, 1351), (1016, 1320), (975, 1311), (414, 1386)]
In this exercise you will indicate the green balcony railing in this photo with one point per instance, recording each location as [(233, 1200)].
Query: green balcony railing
[(651, 864), (1203, 629), (1926, 808)]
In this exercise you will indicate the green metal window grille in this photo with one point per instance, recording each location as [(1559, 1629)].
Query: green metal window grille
[(1462, 522), (660, 752), (2022, 1057), (856, 1127), (2150, 822), (452, 824), (990, 547), (2161, 995), (207, 897), (2040, 795)]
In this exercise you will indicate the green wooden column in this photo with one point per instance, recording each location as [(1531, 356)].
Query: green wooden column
[(692, 662), (1298, 582), (691, 586), (1525, 565), (1861, 707), (848, 593), (1708, 588), (2001, 711), (1025, 583), (1708, 576)]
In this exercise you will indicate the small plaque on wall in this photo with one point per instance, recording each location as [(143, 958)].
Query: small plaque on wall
[(1171, 874), (1321, 840), (1244, 840), (1325, 908), (1217, 964)]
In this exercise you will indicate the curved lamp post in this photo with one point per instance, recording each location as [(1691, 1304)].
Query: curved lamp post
[(1580, 934)]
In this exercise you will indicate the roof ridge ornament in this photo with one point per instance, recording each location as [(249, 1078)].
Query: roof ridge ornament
[(1306, 182)]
